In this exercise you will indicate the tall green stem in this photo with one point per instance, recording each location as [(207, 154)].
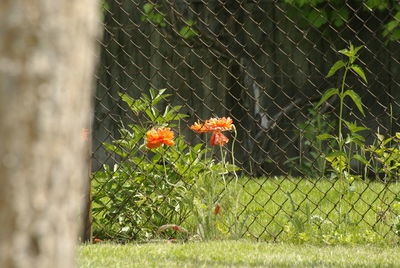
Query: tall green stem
[(205, 154), (340, 138), (165, 168), (233, 154), (341, 96)]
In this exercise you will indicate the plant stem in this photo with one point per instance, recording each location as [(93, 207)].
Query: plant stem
[(205, 154), (340, 139), (341, 97), (165, 171), (236, 222), (233, 155), (163, 160), (223, 163)]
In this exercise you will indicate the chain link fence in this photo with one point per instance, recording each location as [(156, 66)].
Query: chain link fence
[(264, 64)]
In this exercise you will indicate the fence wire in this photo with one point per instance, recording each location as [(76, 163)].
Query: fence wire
[(263, 64)]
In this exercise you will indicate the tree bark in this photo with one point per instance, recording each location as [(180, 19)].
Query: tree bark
[(47, 56)]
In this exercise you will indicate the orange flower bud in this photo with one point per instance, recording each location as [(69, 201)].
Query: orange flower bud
[(216, 209), (217, 138)]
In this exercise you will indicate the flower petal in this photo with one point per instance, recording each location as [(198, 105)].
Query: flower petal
[(157, 136), (220, 124), (217, 138)]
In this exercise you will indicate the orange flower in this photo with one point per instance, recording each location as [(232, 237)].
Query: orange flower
[(219, 124), (158, 136), (217, 138), (199, 127), (213, 124)]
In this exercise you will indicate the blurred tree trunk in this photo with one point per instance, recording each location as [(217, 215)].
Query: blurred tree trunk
[(47, 55)]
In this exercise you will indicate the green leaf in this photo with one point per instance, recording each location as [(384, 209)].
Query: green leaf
[(390, 26), (380, 137), (157, 96), (127, 99), (357, 69), (115, 149), (317, 17), (105, 5), (385, 141), (325, 136), (231, 167), (330, 157), (189, 22), (152, 114), (147, 8), (340, 17), (329, 93), (353, 127), (357, 49), (346, 52), (356, 99), (301, 3), (187, 32), (171, 113), (361, 159), (339, 64), (136, 106), (395, 35), (376, 4), (355, 138), (397, 16), (197, 147), (158, 19)]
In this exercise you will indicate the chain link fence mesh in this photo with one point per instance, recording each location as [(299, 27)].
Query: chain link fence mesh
[(264, 64)]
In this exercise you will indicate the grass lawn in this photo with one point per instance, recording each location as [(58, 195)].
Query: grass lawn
[(362, 210), (236, 254), (297, 210)]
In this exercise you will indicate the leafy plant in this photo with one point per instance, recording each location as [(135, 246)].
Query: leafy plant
[(203, 199), (188, 30), (336, 13), (311, 161), (396, 210), (298, 223), (392, 28), (387, 153), (314, 13), (148, 190), (340, 159), (154, 14), (302, 226), (347, 147), (212, 202), (144, 189)]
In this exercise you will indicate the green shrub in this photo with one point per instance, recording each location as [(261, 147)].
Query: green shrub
[(144, 190)]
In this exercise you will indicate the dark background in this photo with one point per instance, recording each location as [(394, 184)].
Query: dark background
[(263, 63)]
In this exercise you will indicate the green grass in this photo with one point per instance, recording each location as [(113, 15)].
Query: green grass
[(315, 211), (364, 213), (235, 254)]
